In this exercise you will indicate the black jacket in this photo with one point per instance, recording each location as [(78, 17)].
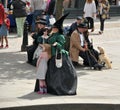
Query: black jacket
[(19, 8)]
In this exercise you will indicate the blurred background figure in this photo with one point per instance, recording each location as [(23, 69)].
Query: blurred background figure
[(19, 12), (37, 7), (2, 11), (4, 30), (103, 13), (90, 13), (50, 10)]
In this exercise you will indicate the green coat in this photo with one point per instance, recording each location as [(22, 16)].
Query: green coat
[(60, 39)]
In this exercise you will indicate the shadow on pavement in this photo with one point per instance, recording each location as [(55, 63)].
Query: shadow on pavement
[(13, 66)]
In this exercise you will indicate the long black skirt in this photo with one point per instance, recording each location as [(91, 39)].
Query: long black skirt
[(61, 81)]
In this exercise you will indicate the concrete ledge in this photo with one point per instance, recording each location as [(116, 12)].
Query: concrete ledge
[(68, 107)]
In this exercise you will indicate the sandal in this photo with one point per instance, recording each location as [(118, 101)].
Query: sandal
[(1, 46), (6, 46)]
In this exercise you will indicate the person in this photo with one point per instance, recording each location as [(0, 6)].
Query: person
[(19, 12), (74, 25), (40, 24), (90, 13), (61, 78), (42, 61), (2, 11), (50, 11), (78, 47), (37, 8), (68, 31), (4, 31), (103, 13)]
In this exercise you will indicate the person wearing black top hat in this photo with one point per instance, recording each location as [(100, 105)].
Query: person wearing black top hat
[(78, 47), (61, 78), (41, 23)]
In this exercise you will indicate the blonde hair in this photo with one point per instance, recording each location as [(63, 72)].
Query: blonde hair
[(89, 1)]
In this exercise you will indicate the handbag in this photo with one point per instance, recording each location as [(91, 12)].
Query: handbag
[(58, 61)]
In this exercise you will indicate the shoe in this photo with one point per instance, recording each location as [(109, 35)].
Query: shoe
[(100, 32), (40, 92), (92, 30), (98, 67), (6, 46), (45, 90), (77, 65), (1, 46)]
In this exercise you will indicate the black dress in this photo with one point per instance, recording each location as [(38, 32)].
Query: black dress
[(60, 81)]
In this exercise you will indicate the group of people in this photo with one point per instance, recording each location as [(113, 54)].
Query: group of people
[(55, 71), (99, 8), (47, 48)]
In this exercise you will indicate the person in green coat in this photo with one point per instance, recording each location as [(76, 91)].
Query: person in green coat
[(61, 79)]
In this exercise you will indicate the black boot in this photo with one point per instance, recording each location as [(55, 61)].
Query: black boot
[(98, 66)]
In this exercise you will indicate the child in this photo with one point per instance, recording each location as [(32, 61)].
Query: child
[(4, 31), (42, 61)]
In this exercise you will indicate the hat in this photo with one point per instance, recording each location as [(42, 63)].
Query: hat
[(59, 23), (79, 18), (41, 21), (82, 25)]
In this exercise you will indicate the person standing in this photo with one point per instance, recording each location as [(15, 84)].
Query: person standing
[(50, 10), (90, 13), (37, 7), (2, 13), (19, 12), (61, 78), (40, 24), (103, 13), (4, 30), (42, 61)]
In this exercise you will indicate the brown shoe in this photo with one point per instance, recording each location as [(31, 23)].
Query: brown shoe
[(92, 30)]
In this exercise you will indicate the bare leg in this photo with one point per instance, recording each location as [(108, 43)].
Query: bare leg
[(1, 42), (6, 40)]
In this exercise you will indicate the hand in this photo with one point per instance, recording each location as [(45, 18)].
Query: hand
[(42, 46), (32, 34), (55, 44)]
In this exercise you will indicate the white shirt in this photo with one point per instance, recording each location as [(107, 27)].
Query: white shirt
[(89, 9), (82, 39)]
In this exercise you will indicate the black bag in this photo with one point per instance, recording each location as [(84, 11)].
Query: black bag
[(61, 81)]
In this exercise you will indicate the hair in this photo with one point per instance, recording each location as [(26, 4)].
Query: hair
[(89, 1), (104, 1)]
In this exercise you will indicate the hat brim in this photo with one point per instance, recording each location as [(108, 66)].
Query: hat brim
[(39, 22)]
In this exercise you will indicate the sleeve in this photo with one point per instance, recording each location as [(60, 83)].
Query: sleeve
[(84, 8), (60, 41)]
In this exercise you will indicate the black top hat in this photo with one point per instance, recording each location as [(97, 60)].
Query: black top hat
[(41, 21), (82, 25), (59, 23)]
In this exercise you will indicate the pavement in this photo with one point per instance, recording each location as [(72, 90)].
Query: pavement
[(96, 90)]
